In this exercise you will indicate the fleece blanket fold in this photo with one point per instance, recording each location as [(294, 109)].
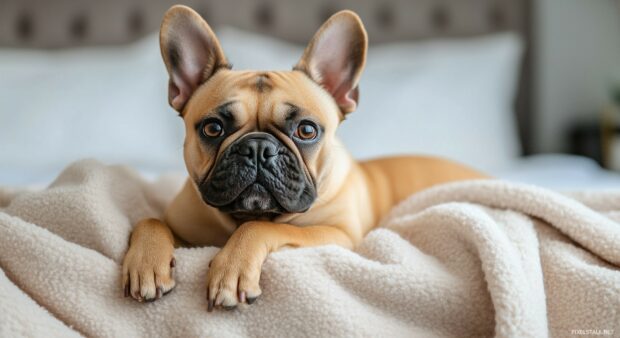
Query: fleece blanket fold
[(477, 258)]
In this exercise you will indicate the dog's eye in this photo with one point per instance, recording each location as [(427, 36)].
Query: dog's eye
[(213, 129), (306, 131)]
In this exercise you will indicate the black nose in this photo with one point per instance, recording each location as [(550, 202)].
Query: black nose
[(258, 148)]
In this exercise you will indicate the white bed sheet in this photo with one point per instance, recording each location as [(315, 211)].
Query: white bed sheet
[(561, 172)]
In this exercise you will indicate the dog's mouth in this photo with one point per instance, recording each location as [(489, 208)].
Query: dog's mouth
[(255, 202), (257, 177)]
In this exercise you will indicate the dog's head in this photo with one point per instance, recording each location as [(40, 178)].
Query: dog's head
[(260, 143)]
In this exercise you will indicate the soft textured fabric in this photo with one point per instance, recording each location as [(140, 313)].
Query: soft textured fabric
[(477, 258)]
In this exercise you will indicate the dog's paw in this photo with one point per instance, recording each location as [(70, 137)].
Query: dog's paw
[(147, 271), (233, 279)]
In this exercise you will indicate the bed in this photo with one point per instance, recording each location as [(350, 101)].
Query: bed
[(450, 78)]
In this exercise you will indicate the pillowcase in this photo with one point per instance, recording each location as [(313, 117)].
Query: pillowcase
[(447, 98), (109, 103), (450, 98)]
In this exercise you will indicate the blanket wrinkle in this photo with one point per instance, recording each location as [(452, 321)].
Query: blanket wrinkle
[(469, 223), (468, 259), (574, 219)]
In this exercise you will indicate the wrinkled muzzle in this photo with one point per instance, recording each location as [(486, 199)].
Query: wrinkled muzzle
[(257, 176)]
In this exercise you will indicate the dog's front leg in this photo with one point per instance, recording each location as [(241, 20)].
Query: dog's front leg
[(234, 272), (148, 263)]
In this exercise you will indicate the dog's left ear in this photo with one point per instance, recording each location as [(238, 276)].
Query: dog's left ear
[(191, 52), (335, 58)]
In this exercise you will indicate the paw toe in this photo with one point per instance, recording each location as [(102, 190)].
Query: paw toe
[(146, 281), (147, 285), (248, 285)]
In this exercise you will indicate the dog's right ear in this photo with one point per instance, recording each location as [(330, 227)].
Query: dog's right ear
[(190, 51), (335, 58)]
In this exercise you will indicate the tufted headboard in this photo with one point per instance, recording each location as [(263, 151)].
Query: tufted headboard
[(67, 23)]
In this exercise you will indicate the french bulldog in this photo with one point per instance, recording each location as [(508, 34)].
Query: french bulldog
[(266, 170)]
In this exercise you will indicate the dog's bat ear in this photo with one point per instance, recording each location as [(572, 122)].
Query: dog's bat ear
[(335, 58), (190, 51)]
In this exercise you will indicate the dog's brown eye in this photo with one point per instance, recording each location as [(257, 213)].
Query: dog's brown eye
[(306, 131), (213, 129)]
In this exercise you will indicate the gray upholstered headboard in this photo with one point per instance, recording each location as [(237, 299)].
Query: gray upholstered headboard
[(65, 23)]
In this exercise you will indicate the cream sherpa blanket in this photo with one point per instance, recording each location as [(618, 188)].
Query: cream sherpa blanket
[(478, 258)]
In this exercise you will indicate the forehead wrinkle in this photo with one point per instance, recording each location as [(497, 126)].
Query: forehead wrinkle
[(256, 81), (281, 79), (263, 82)]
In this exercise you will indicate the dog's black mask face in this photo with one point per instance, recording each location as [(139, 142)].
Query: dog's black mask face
[(258, 177)]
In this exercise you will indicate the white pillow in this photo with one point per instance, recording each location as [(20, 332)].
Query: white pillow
[(452, 98), (108, 103), (449, 98)]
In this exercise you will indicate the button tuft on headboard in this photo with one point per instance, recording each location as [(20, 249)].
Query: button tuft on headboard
[(385, 17), (496, 17), (78, 28), (135, 22), (265, 15), (440, 18), (24, 27)]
